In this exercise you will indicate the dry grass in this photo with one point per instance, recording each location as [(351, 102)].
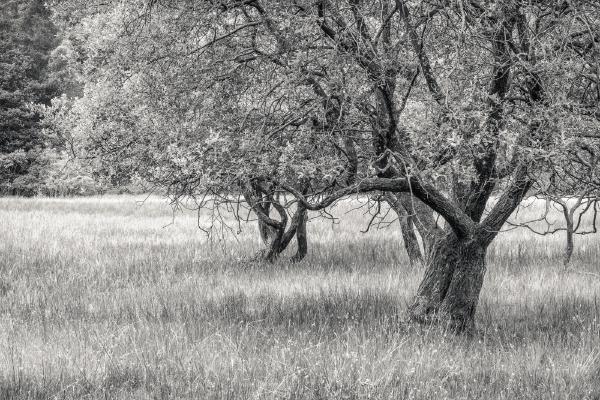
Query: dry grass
[(98, 300)]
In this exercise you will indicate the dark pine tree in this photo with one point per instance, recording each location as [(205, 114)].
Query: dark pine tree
[(27, 37)]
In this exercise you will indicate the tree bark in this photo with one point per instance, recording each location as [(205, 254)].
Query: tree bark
[(570, 232), (411, 244), (413, 214), (266, 232), (273, 244), (422, 218), (276, 240), (301, 238), (449, 291)]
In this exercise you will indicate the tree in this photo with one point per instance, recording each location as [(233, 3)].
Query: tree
[(27, 37), (571, 187), (573, 209), (457, 104)]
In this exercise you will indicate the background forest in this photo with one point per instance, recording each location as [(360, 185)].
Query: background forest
[(39, 63)]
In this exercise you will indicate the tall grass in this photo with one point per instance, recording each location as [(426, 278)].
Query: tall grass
[(104, 298)]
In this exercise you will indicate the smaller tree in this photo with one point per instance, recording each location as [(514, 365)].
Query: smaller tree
[(572, 187), (276, 234)]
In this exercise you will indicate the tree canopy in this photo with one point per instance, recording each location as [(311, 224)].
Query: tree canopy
[(450, 101)]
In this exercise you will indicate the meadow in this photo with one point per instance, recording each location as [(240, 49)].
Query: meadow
[(108, 298)]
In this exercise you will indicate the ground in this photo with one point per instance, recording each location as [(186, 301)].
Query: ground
[(108, 298)]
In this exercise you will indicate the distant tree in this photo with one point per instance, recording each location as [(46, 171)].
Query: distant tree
[(459, 104), (572, 186), (276, 235), (27, 37), (573, 208)]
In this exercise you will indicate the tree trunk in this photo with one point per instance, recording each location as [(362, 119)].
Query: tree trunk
[(411, 244), (266, 232), (449, 291), (570, 230), (273, 245), (275, 241), (422, 219), (569, 248), (301, 238), (407, 225)]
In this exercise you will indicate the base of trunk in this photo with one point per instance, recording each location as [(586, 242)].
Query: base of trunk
[(449, 291)]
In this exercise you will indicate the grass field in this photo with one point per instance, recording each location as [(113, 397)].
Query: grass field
[(104, 298)]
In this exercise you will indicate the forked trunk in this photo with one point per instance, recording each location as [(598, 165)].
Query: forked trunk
[(275, 241), (449, 291), (271, 243)]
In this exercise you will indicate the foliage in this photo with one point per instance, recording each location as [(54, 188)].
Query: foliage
[(27, 37), (451, 102), (202, 98), (65, 176)]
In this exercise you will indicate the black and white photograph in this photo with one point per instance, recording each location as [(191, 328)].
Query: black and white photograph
[(299, 199)]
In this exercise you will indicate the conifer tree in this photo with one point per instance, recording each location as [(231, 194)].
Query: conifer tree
[(27, 37)]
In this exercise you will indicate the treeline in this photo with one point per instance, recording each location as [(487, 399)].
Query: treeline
[(36, 66)]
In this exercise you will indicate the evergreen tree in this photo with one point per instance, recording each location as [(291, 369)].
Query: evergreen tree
[(27, 37)]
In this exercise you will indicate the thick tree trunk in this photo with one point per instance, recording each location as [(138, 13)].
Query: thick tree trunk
[(449, 291)]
